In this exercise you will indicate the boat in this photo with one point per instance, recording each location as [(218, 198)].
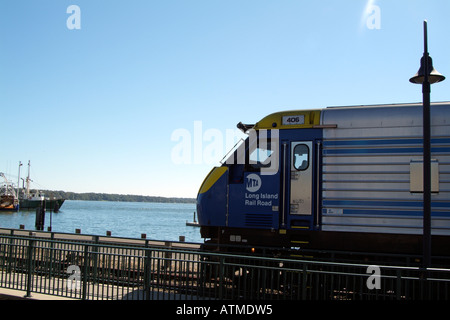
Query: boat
[(32, 200), (8, 198)]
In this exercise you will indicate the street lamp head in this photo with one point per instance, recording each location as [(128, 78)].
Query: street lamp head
[(433, 75)]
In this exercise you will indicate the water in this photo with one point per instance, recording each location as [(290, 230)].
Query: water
[(159, 221)]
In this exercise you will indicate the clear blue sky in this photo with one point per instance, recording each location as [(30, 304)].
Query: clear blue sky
[(95, 108)]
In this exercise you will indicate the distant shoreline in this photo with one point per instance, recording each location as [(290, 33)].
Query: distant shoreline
[(92, 196)]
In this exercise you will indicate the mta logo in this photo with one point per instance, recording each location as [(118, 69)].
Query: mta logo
[(253, 183)]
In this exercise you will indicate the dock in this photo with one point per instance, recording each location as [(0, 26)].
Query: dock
[(194, 223)]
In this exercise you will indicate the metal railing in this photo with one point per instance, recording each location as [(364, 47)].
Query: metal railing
[(89, 270)]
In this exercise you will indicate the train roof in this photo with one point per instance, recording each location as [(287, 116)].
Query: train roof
[(320, 118)]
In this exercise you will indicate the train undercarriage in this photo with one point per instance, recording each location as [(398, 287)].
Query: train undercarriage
[(339, 246)]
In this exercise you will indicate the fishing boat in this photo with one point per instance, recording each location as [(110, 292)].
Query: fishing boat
[(8, 198), (32, 200)]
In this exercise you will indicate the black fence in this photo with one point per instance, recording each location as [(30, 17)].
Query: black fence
[(141, 270)]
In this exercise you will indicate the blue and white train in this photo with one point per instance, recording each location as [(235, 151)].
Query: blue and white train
[(339, 178)]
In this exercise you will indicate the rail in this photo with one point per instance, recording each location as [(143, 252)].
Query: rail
[(124, 271)]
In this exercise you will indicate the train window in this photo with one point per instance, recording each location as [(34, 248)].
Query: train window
[(301, 157), (257, 153), (260, 156)]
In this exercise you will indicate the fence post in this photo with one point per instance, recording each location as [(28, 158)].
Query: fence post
[(11, 255), (221, 277), (51, 254), (423, 281), (304, 280), (30, 252), (85, 271), (398, 289), (147, 273), (95, 257)]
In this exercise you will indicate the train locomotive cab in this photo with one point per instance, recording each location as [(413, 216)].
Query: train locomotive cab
[(340, 178), (265, 193)]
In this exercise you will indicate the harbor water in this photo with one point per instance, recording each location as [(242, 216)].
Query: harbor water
[(159, 221)]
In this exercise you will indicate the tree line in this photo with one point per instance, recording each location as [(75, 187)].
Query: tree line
[(92, 196)]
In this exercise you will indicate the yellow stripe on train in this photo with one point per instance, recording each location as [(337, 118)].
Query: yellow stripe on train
[(211, 178), (290, 120)]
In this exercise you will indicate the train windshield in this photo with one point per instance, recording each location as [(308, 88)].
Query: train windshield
[(259, 152)]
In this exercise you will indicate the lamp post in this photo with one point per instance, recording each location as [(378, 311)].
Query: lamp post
[(426, 76)]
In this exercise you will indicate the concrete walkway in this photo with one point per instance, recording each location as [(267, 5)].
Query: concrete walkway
[(11, 294)]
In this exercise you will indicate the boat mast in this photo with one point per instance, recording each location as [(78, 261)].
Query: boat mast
[(18, 181), (28, 180)]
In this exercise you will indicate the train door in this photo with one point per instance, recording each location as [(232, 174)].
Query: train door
[(302, 203), (301, 179)]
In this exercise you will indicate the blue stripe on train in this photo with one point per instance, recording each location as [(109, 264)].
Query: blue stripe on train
[(398, 208), (331, 143), (384, 150), (373, 146), (393, 212), (383, 203)]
